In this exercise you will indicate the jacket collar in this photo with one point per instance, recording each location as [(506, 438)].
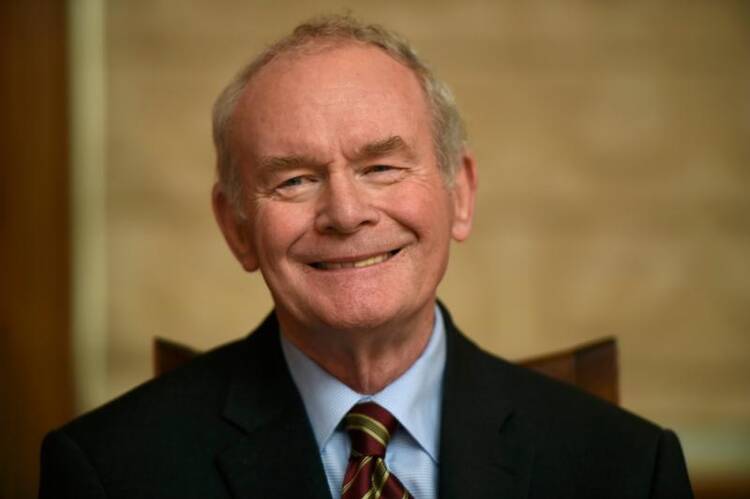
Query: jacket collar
[(276, 440), (487, 446)]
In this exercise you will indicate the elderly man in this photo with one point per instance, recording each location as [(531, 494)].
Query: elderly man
[(343, 178)]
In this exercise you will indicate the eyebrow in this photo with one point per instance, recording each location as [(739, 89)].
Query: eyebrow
[(378, 148), (287, 162), (383, 147)]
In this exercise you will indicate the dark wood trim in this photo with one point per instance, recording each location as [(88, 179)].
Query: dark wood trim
[(721, 487), (36, 390)]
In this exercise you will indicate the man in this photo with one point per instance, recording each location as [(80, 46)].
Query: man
[(343, 178)]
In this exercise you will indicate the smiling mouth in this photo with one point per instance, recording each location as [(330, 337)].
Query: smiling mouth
[(356, 264)]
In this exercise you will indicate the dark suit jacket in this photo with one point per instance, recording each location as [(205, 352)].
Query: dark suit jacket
[(232, 424)]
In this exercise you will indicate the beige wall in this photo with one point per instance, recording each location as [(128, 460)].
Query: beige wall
[(613, 144)]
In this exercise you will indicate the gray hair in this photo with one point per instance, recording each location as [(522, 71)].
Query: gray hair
[(448, 133)]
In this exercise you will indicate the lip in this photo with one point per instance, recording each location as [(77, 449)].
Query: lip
[(358, 262)]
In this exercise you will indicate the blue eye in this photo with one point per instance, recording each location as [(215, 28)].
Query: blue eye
[(379, 169), (295, 186), (292, 182)]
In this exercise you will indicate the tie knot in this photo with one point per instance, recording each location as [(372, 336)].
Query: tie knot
[(370, 428)]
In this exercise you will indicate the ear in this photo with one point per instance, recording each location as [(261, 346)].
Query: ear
[(235, 228), (464, 193)]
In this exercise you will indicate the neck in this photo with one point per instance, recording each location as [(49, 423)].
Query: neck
[(368, 359)]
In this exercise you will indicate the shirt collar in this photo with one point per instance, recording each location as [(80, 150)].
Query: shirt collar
[(413, 398)]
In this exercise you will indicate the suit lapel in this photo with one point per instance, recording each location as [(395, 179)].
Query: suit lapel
[(277, 442), (486, 445)]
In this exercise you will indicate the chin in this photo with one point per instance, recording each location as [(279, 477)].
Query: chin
[(360, 312), (356, 311)]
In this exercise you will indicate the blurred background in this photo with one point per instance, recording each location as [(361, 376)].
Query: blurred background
[(613, 141)]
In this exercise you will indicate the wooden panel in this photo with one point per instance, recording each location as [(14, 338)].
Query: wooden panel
[(722, 488), (35, 376)]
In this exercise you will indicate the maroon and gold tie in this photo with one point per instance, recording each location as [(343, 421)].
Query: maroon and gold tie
[(370, 428)]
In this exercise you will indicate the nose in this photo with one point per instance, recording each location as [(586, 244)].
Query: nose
[(344, 206)]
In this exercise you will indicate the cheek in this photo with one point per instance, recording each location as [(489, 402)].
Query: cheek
[(277, 226), (426, 210)]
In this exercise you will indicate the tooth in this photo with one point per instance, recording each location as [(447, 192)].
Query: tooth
[(363, 263), (358, 265), (370, 261)]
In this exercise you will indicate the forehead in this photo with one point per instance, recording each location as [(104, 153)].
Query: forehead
[(315, 100)]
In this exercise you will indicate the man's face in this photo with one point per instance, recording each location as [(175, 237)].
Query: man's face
[(347, 215)]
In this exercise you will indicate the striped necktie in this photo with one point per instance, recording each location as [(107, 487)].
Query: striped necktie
[(370, 428)]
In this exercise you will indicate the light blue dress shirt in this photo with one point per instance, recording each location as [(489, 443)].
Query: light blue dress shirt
[(414, 399)]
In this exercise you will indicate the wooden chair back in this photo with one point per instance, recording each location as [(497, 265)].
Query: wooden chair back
[(169, 355), (591, 367)]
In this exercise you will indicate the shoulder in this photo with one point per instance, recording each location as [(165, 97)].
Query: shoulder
[(189, 394), (172, 424), (582, 442), (542, 400), (196, 389), (561, 408)]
